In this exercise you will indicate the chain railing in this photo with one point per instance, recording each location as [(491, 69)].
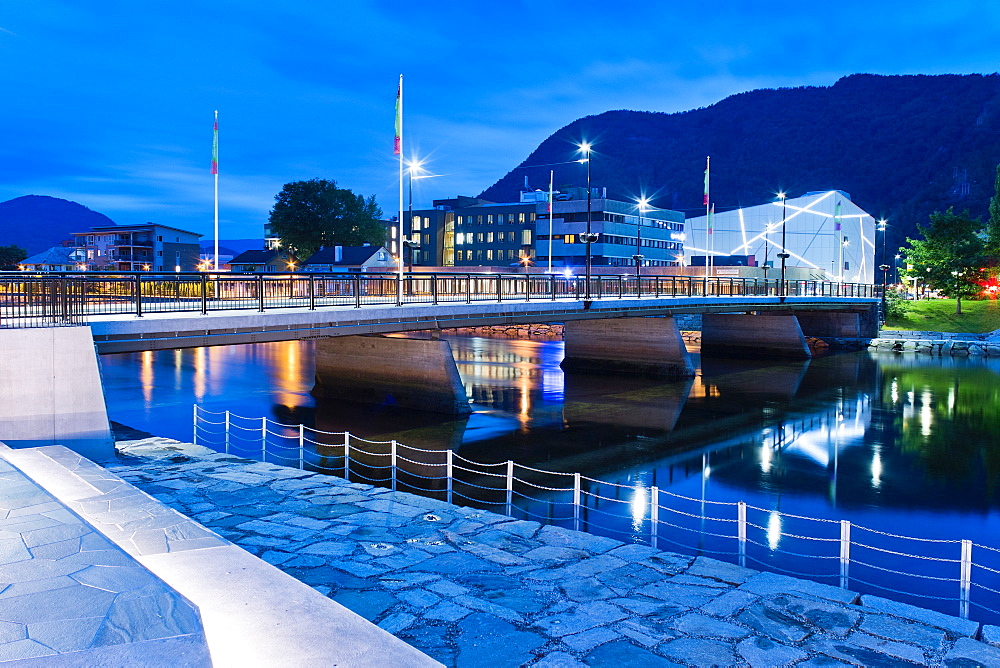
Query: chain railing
[(24, 295), (952, 576)]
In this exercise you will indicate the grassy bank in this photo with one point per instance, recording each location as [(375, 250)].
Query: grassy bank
[(938, 315)]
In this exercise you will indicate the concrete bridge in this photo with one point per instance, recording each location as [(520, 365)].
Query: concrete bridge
[(51, 389)]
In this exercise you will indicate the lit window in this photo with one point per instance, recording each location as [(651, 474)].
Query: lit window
[(459, 238), (525, 237), (489, 237), (500, 219), (489, 219), (520, 217), (489, 254)]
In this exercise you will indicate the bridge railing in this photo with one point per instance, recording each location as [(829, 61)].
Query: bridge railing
[(949, 575), (72, 296)]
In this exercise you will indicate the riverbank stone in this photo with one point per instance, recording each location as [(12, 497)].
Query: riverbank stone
[(471, 587)]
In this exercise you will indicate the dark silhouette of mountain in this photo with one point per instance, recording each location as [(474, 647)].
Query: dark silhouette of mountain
[(38, 222), (901, 146)]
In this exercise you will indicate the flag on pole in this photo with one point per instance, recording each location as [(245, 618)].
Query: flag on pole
[(711, 220), (215, 145), (705, 200), (836, 217), (397, 146)]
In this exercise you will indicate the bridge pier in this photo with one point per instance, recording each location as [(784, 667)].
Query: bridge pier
[(412, 373), (636, 346), (829, 324), (51, 392), (762, 335)]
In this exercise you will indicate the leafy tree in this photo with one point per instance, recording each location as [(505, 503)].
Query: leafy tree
[(10, 256), (993, 225), (313, 214), (950, 256)]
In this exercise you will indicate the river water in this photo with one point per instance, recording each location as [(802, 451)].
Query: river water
[(898, 445)]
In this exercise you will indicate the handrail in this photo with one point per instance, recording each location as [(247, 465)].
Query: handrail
[(737, 531), (28, 295)]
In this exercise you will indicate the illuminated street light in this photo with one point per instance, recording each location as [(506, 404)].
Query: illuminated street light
[(642, 205), (784, 253), (589, 237)]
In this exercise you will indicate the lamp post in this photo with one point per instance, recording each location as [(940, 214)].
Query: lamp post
[(896, 268), (882, 225), (641, 204), (784, 253), (589, 237)]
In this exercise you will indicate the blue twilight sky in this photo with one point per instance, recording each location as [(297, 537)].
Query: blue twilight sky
[(109, 102)]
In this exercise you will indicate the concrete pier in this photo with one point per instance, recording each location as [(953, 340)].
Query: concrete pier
[(412, 373), (51, 392), (638, 346), (830, 324), (761, 335)]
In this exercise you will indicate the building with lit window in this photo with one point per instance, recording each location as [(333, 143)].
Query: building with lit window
[(825, 233), (147, 247)]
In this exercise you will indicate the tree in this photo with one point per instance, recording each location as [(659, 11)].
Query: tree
[(309, 215), (10, 256), (993, 225), (950, 256)]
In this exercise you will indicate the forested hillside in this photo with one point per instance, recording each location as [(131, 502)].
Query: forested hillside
[(902, 146)]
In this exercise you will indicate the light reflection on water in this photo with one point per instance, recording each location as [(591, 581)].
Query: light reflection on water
[(906, 444)]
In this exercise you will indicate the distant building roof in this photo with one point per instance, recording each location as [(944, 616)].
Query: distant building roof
[(343, 255), (255, 257), (56, 255), (120, 229)]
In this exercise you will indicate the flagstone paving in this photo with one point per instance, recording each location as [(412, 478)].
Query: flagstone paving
[(472, 588)]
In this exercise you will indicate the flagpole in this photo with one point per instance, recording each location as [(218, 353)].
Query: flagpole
[(551, 176), (399, 151), (708, 219), (215, 172)]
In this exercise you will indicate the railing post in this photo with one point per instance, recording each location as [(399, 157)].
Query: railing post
[(194, 431), (449, 471), (654, 516), (312, 292), (468, 289), (302, 446), (510, 486), (204, 294), (741, 531), (392, 463), (260, 292), (576, 501), (227, 432), (434, 288), (263, 439), (499, 288), (347, 456), (965, 578), (845, 553), (357, 291), (138, 296), (621, 287), (552, 285), (527, 287)]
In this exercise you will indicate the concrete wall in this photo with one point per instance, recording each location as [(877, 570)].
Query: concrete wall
[(829, 323), (640, 346), (51, 392), (412, 373), (764, 335)]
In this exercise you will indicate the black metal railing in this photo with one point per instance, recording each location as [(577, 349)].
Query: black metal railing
[(71, 297)]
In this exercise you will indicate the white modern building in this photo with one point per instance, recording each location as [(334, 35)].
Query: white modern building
[(825, 232)]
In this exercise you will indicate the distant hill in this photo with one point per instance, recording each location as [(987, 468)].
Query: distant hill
[(38, 222), (231, 246), (902, 146)]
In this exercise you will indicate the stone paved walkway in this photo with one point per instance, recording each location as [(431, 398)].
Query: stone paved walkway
[(473, 588)]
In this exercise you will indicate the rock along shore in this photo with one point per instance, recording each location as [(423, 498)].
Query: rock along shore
[(471, 588)]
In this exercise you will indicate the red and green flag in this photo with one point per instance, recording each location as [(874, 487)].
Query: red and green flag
[(215, 145), (836, 217), (711, 220), (397, 146), (705, 200)]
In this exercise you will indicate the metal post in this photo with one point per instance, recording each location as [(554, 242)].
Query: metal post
[(552, 283), (741, 531), (357, 291), (392, 463), (194, 435), (204, 294), (499, 288), (468, 289), (227, 432), (966, 578), (302, 447), (260, 292), (510, 486), (576, 501), (845, 552), (654, 516), (434, 287), (347, 456), (263, 439), (450, 471), (138, 296), (312, 293)]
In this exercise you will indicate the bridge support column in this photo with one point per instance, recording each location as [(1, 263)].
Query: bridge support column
[(413, 373), (636, 346), (829, 324), (51, 392), (764, 335)]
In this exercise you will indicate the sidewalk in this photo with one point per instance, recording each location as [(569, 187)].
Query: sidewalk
[(473, 588)]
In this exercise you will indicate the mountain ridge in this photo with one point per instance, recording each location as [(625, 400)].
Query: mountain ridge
[(39, 222)]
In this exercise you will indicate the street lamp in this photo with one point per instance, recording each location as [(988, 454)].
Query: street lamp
[(882, 225), (589, 237), (642, 203), (896, 268), (784, 253)]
